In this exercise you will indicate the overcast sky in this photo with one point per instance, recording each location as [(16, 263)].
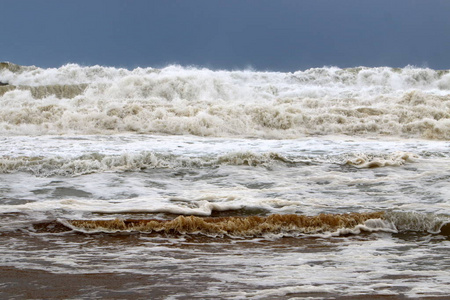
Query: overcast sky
[(276, 35)]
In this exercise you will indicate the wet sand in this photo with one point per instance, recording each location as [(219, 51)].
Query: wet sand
[(37, 284)]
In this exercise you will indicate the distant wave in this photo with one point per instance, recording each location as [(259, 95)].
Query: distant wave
[(408, 102), (393, 78)]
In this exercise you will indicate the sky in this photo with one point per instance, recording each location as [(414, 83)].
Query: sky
[(275, 35)]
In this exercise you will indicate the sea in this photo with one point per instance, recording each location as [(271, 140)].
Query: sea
[(190, 183)]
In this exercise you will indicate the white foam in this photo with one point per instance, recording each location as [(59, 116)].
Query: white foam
[(395, 159), (408, 102)]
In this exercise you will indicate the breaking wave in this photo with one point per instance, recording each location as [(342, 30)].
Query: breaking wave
[(419, 222), (90, 163), (230, 226), (97, 163), (276, 224), (408, 102)]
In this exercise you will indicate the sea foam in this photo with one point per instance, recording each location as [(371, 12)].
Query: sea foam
[(408, 102)]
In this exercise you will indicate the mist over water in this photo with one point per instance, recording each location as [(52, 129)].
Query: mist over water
[(272, 184)]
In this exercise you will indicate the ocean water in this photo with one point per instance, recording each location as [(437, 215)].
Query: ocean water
[(181, 183)]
